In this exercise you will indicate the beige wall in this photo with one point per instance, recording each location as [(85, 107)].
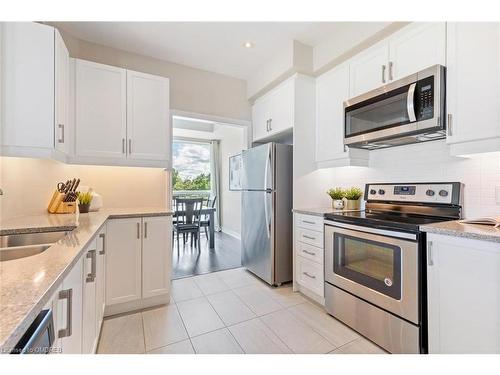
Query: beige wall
[(191, 89), (28, 184)]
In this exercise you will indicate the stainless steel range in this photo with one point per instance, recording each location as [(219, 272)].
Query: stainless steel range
[(375, 278)]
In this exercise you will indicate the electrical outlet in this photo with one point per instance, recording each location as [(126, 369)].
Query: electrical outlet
[(497, 194)]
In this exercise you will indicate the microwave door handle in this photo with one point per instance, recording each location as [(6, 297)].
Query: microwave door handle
[(410, 102)]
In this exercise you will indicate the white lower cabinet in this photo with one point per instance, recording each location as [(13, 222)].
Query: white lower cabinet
[(100, 293), (156, 258), (66, 305), (309, 256), (463, 295), (138, 263), (89, 320)]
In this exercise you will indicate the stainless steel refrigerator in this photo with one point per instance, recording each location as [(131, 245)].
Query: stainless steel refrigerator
[(266, 212)]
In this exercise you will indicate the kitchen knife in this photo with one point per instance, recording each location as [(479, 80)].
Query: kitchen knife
[(76, 185)]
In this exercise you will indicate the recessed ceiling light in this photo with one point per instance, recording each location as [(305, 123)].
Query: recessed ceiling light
[(248, 45)]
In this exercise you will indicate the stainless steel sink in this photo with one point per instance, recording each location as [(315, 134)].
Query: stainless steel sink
[(11, 253), (15, 246)]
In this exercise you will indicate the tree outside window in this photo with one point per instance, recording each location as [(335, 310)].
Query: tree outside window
[(191, 166)]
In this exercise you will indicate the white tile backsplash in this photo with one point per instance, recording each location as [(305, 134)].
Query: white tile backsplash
[(424, 162)]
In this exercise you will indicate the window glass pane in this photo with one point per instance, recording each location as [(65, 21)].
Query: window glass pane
[(369, 259), (191, 166)]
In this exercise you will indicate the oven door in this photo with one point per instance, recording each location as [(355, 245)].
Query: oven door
[(374, 265)]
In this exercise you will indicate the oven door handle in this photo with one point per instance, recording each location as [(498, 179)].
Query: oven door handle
[(382, 232), (410, 103)]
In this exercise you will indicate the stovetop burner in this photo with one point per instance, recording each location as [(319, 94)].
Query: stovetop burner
[(389, 220), (405, 206)]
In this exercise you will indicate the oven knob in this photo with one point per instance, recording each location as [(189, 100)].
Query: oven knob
[(443, 193), (430, 193), (381, 191), (373, 191)]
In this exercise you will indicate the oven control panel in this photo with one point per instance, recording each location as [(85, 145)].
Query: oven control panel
[(417, 192)]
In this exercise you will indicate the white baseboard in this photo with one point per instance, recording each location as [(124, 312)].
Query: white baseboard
[(232, 233)]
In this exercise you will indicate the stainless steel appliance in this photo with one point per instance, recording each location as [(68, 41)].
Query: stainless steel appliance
[(39, 337), (266, 212), (409, 110), (374, 261)]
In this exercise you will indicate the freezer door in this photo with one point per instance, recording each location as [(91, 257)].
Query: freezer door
[(257, 234), (258, 168)]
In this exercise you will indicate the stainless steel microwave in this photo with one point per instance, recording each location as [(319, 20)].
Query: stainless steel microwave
[(409, 110)]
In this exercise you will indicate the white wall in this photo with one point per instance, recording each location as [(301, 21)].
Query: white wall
[(232, 142), (422, 162), (28, 185)]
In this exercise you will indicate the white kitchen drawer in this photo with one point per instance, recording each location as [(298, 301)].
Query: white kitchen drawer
[(310, 275), (309, 252), (309, 222), (309, 237)]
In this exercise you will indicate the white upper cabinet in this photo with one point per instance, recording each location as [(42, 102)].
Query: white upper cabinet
[(148, 116), (463, 295), (261, 113), (276, 112), (122, 117), (32, 54), (62, 94), (473, 81), (415, 48), (100, 110), (332, 89), (369, 69)]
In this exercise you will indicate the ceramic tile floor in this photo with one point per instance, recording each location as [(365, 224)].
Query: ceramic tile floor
[(231, 312)]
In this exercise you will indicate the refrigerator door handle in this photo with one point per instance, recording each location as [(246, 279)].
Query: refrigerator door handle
[(268, 167), (266, 214)]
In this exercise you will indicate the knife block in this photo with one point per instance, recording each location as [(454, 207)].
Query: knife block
[(57, 206)]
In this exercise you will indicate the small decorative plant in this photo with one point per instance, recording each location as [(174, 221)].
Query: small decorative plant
[(84, 200), (337, 195), (352, 195)]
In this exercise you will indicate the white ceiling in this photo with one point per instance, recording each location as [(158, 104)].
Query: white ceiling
[(212, 46)]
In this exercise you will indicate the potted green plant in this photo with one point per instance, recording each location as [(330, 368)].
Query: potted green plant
[(337, 194), (84, 200), (352, 196)]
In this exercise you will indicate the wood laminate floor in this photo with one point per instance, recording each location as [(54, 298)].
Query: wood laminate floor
[(189, 261)]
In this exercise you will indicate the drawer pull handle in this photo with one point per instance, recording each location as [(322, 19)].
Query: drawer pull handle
[(308, 252), (308, 222), (308, 237), (309, 275)]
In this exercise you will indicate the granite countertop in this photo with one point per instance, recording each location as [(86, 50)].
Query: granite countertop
[(27, 284), (457, 229), (319, 211)]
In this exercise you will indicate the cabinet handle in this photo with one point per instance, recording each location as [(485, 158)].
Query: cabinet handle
[(309, 275), (308, 252), (430, 261), (145, 229), (129, 146), (308, 237), (91, 276), (123, 145), (138, 231), (61, 140), (67, 294), (308, 222), (267, 125), (449, 125), (383, 73), (103, 251), (270, 124), (391, 64)]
